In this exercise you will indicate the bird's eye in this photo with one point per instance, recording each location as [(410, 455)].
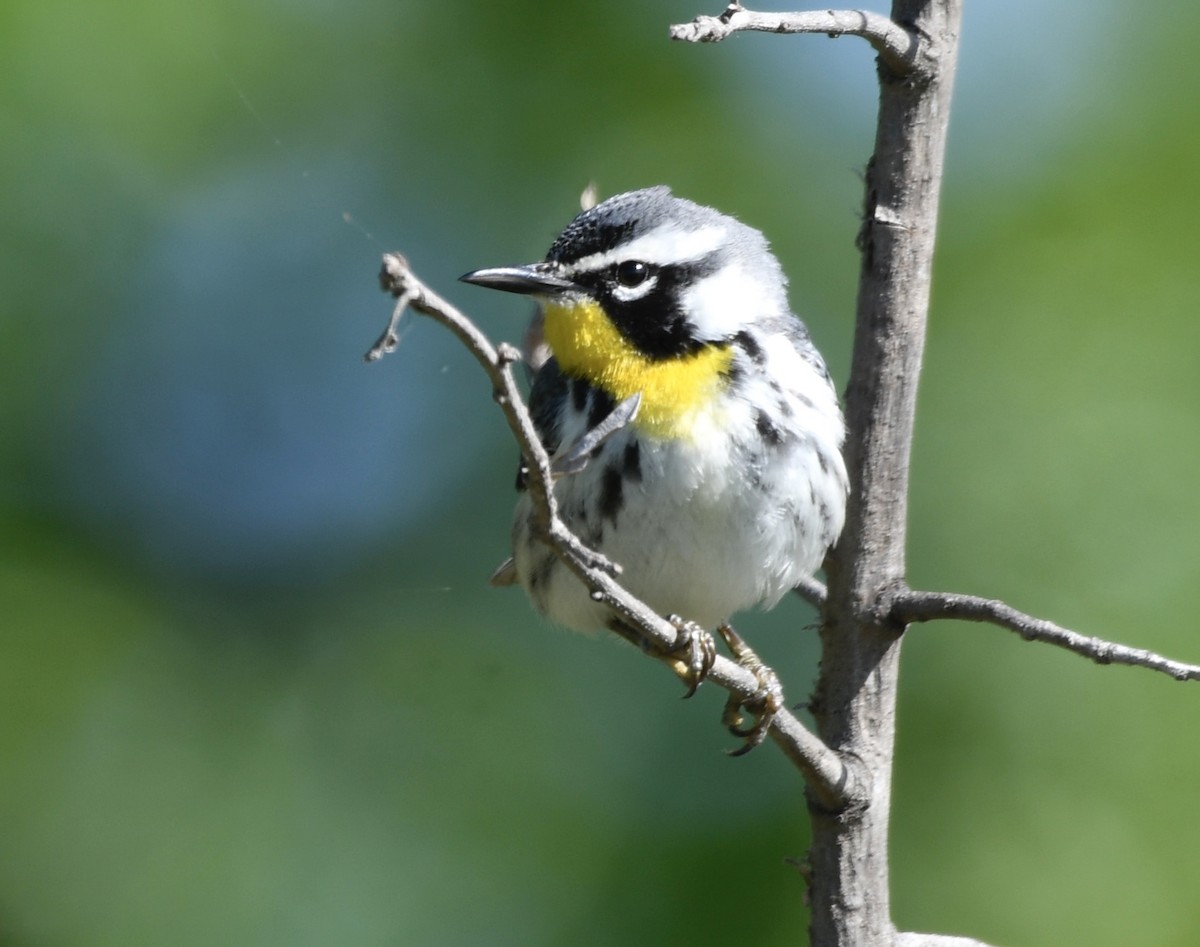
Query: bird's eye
[(632, 273)]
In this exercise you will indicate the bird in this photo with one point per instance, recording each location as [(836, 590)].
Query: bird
[(717, 481)]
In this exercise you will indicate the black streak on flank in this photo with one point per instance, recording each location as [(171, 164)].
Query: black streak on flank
[(612, 486), (767, 429), (590, 532), (632, 462), (579, 393), (601, 406), (748, 342), (826, 521)]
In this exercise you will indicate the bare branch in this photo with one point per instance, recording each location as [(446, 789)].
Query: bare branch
[(910, 606), (896, 45), (909, 939), (399, 281), (831, 779), (812, 591)]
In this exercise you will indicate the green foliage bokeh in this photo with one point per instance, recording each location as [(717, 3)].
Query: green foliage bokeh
[(253, 686)]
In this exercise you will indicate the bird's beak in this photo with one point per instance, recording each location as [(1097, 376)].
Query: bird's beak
[(536, 279)]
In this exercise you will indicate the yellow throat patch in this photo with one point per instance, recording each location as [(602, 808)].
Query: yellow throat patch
[(589, 346)]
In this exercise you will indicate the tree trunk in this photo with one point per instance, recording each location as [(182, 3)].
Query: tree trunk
[(855, 699)]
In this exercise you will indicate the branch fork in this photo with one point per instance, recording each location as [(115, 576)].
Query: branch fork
[(897, 47), (847, 767), (902, 606)]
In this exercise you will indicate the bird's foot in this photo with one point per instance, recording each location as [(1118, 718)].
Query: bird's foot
[(694, 652), (764, 705)]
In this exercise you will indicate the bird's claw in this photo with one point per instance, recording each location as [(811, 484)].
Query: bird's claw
[(694, 653), (764, 705)]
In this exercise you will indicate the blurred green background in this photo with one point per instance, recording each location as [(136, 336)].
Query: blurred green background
[(253, 686)]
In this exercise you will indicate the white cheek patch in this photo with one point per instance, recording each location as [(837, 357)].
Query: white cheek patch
[(718, 304), (662, 246)]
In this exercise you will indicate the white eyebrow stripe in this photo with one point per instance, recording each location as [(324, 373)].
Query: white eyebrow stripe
[(660, 247)]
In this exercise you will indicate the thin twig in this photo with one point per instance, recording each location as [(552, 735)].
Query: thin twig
[(812, 591), (829, 777), (895, 45), (399, 281), (910, 606)]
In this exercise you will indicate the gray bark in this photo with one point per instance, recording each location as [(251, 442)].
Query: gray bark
[(855, 699)]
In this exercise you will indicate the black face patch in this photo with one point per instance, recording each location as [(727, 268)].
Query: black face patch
[(655, 324)]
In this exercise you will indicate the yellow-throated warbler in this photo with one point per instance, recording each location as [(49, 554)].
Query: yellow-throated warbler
[(728, 485)]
